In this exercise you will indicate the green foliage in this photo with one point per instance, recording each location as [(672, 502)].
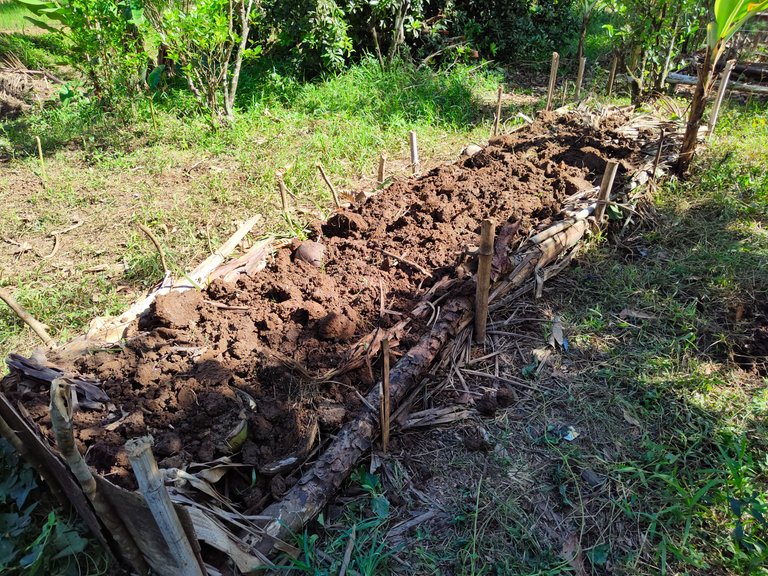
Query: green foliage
[(521, 32), (103, 35), (29, 546)]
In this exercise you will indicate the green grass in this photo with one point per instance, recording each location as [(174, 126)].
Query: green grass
[(12, 17)]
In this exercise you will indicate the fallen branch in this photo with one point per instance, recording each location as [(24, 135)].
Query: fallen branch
[(38, 327), (410, 263)]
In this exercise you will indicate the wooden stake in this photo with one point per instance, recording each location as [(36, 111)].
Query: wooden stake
[(328, 183), (485, 259), (605, 189), (385, 408), (382, 167), (414, 152), (580, 77), (152, 487), (552, 79), (612, 75), (43, 175), (61, 410), (497, 119), (283, 191), (657, 159), (726, 76), (38, 327)]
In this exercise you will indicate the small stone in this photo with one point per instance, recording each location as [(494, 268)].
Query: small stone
[(311, 252)]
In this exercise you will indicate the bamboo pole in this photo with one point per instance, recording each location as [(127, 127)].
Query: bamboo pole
[(605, 189), (385, 407), (382, 167), (485, 259), (414, 152), (565, 92), (37, 327), (580, 77), (43, 175), (552, 79), (497, 119), (329, 184), (726, 76), (612, 75), (61, 422), (152, 487)]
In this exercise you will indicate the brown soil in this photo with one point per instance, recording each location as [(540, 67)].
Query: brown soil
[(197, 364)]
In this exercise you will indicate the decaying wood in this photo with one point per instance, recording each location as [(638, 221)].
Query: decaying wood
[(61, 422), (37, 327), (152, 487), (485, 260), (676, 78), (310, 494)]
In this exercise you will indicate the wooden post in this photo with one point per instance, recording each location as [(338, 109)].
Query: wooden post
[(719, 100), (612, 75), (385, 409), (605, 189), (43, 175), (414, 152), (152, 487), (382, 167), (657, 159), (565, 92), (580, 77), (497, 119), (552, 79), (283, 191), (329, 184), (485, 258)]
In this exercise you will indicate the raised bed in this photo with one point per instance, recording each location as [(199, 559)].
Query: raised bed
[(261, 389)]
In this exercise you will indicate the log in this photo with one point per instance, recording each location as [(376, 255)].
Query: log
[(311, 493), (676, 78)]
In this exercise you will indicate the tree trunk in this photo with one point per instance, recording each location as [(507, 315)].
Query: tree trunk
[(582, 37), (698, 104)]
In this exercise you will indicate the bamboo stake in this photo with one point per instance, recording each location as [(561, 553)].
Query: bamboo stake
[(385, 407), (497, 119), (485, 259), (37, 327), (605, 189), (719, 100), (61, 422), (414, 152), (657, 159), (152, 487), (565, 92), (580, 77), (612, 75), (552, 79), (43, 175), (382, 167), (329, 184)]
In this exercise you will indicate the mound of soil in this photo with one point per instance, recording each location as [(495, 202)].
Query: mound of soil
[(198, 364)]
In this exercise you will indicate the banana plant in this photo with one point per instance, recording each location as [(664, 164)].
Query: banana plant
[(730, 17)]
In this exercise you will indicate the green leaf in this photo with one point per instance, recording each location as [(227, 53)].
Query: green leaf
[(598, 555), (380, 506), (67, 541), (154, 77)]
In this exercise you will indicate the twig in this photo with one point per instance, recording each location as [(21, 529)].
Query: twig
[(497, 119), (605, 189), (348, 551), (330, 185), (221, 306), (382, 167), (159, 248), (38, 327), (403, 260), (283, 191), (43, 175)]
